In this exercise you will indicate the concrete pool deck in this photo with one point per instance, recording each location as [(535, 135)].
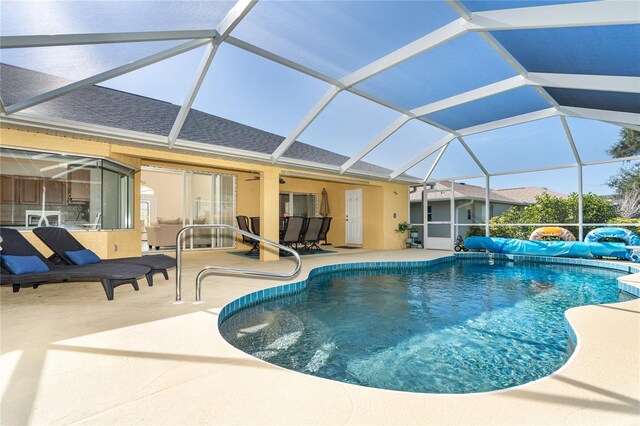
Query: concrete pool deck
[(70, 356)]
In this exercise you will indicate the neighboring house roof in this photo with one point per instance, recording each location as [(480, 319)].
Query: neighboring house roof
[(113, 108), (527, 195), (442, 192)]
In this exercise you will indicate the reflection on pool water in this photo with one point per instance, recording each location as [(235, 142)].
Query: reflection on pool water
[(465, 326)]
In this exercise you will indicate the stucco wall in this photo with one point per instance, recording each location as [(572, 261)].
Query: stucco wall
[(381, 200), (106, 244)]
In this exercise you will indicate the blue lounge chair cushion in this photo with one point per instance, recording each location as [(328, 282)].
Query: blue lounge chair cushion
[(23, 264), (83, 257)]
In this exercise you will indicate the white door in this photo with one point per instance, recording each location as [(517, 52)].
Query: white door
[(353, 215)]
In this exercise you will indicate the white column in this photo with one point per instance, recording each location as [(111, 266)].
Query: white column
[(576, 154), (425, 215), (453, 213), (580, 205), (409, 205), (487, 204)]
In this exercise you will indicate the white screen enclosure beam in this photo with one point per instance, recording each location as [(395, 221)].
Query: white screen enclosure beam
[(228, 23)]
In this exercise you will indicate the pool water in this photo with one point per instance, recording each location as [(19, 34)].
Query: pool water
[(466, 326)]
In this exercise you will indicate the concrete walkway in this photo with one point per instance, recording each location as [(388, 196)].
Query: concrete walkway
[(70, 356)]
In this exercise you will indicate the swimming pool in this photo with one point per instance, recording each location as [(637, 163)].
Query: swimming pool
[(455, 327)]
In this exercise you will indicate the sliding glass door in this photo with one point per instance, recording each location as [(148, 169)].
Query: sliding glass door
[(192, 198), (212, 199)]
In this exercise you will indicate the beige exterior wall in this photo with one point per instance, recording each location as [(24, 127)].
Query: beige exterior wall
[(269, 213), (106, 244), (381, 200)]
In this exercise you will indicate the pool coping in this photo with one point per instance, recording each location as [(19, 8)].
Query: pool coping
[(272, 293)]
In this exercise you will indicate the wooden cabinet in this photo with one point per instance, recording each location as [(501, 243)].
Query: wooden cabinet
[(79, 186), (29, 190), (24, 190), (20, 190), (56, 192), (8, 193)]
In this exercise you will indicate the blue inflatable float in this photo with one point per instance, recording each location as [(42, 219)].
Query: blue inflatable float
[(629, 237)]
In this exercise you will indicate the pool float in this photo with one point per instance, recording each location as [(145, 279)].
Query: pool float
[(552, 231), (629, 237)]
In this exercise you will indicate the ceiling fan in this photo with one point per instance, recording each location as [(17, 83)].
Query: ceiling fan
[(256, 176)]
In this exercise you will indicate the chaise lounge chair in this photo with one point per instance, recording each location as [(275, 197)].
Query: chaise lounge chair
[(16, 247), (60, 241)]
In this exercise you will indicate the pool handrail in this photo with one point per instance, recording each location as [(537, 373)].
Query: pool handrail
[(223, 269)]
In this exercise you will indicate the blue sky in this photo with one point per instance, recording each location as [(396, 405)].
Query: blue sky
[(328, 37)]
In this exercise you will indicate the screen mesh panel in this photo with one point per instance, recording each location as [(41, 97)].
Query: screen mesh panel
[(440, 73), (79, 17), (404, 145), (337, 38), (256, 92), (531, 145), (605, 50), (596, 99), (497, 107)]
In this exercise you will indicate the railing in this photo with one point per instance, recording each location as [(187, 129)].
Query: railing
[(223, 269)]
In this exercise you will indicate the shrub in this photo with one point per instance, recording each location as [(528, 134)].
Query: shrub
[(475, 231), (551, 209), (635, 229)]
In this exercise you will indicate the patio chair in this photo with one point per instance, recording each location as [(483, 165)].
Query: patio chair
[(61, 242), (20, 250), (311, 235), (243, 223), (255, 225), (292, 231), (326, 225)]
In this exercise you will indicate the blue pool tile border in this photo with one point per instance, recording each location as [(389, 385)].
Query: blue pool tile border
[(272, 293)]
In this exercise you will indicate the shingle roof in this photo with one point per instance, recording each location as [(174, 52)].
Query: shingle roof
[(528, 194), (113, 108), (525, 195)]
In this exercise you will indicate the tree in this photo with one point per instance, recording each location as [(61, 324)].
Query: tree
[(627, 181), (629, 203), (628, 145)]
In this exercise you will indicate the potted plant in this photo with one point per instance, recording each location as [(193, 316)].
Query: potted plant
[(413, 231), (403, 227)]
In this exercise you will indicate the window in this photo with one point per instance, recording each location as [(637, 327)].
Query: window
[(469, 215), (40, 188), (428, 213), (296, 204)]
